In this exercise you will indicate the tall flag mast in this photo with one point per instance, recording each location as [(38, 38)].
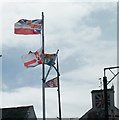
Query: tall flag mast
[(53, 83), (43, 69), (32, 59), (58, 82)]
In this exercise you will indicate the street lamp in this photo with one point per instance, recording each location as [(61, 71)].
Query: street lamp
[(105, 83)]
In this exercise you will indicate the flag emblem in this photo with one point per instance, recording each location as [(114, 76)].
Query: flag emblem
[(32, 59), (49, 59), (27, 27), (52, 83)]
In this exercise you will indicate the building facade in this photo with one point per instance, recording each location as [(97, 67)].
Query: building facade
[(97, 110), (18, 113)]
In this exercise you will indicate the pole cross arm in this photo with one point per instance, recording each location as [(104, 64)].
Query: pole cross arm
[(109, 68), (113, 78)]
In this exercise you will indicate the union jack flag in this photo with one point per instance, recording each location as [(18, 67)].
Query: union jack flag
[(27, 27)]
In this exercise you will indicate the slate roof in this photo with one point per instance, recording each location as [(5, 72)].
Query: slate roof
[(17, 113)]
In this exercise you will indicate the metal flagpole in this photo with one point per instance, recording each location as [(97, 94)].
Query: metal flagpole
[(59, 100), (43, 69)]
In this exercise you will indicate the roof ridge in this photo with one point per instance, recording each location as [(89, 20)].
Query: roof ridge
[(18, 107)]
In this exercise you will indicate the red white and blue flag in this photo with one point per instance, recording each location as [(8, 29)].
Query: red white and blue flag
[(28, 27), (52, 83)]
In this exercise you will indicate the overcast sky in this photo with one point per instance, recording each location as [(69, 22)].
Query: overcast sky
[(86, 35)]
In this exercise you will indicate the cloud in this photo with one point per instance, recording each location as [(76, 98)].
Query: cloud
[(32, 96), (72, 99), (55, 25)]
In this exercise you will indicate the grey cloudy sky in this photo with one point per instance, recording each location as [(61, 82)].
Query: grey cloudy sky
[(86, 35)]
